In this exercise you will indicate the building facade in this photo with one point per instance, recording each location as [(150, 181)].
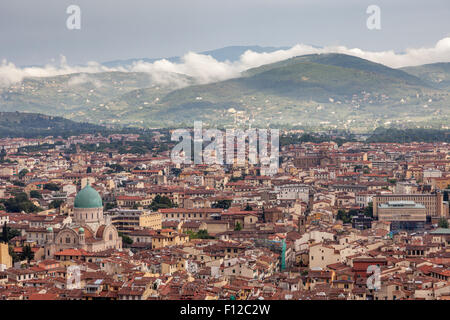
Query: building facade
[(433, 203), (403, 215), (89, 229)]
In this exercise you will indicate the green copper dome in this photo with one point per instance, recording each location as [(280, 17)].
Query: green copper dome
[(88, 198)]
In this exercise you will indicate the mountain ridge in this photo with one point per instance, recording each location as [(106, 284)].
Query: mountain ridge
[(319, 89), (436, 74), (30, 125)]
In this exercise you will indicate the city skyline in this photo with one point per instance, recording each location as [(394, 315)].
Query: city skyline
[(220, 158)]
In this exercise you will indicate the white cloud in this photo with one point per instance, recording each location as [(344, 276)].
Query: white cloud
[(205, 69), (10, 74), (412, 56), (82, 79), (202, 68)]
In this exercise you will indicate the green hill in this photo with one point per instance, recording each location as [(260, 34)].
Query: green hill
[(343, 61), (77, 96), (436, 74), (318, 77), (30, 125), (331, 90)]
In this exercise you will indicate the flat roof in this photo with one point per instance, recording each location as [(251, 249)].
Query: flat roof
[(441, 231), (401, 204)]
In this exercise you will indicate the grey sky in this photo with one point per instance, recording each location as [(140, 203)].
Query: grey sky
[(34, 32)]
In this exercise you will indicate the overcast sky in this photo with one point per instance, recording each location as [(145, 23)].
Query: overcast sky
[(35, 32)]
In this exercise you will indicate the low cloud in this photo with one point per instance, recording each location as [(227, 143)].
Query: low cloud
[(10, 73), (83, 79), (202, 68), (412, 57), (205, 69)]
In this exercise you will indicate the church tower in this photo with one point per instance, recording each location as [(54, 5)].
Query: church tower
[(301, 224)]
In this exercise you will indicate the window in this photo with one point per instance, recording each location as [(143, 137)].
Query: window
[(67, 240)]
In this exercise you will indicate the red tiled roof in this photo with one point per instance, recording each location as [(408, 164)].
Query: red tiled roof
[(72, 252), (43, 296)]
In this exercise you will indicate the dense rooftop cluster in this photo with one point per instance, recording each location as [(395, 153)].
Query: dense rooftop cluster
[(311, 231)]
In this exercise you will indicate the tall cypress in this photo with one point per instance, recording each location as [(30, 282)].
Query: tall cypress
[(5, 235)]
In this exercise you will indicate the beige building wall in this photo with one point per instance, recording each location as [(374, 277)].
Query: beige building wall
[(151, 220), (169, 238), (402, 214), (5, 258), (84, 181), (214, 227), (320, 256)]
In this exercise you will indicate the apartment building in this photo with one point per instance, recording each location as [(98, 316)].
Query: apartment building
[(128, 220), (190, 214)]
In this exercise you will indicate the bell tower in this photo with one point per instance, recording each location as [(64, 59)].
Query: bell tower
[(301, 224)]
